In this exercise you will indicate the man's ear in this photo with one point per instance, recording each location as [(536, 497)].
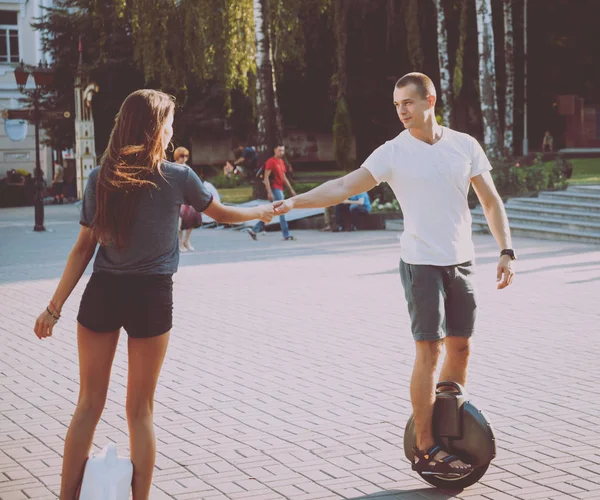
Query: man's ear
[(432, 100)]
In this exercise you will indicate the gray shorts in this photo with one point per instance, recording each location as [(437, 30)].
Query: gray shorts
[(441, 300)]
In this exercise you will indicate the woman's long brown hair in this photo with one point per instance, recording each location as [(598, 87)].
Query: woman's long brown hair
[(134, 153)]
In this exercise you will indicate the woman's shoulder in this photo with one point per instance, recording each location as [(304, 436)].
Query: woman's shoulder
[(175, 168), (175, 172)]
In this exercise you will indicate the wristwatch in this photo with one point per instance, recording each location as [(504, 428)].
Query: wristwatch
[(510, 252)]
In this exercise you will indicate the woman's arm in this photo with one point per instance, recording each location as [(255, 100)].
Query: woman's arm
[(227, 215), (79, 258)]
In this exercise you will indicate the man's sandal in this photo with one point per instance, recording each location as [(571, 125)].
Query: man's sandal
[(427, 465)]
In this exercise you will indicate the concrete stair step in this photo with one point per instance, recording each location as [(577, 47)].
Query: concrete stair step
[(570, 215), (577, 196), (554, 222), (593, 188), (556, 213), (554, 203), (546, 232)]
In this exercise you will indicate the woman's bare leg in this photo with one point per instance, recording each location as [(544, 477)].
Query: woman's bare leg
[(146, 356), (96, 354)]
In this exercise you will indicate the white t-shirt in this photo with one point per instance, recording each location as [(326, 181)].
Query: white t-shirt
[(431, 183)]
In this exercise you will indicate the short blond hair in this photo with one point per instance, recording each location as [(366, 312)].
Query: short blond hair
[(180, 151)]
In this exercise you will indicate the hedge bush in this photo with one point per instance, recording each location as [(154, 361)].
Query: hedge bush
[(220, 181), (513, 179)]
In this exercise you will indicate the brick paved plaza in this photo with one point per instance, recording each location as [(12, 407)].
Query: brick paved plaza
[(287, 373)]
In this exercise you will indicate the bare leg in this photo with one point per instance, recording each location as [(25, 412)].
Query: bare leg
[(180, 234), (422, 394), (146, 356), (186, 242), (456, 363), (96, 354), (422, 390)]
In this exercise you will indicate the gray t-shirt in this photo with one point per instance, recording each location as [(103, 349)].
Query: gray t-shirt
[(153, 246)]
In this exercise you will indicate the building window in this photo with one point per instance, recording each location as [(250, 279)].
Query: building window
[(9, 37)]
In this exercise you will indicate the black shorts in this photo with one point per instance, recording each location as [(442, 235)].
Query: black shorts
[(142, 304), (441, 300)]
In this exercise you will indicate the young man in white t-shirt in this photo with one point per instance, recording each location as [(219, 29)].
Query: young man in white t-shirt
[(430, 169)]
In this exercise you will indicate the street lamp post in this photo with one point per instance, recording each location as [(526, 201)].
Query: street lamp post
[(525, 138), (43, 77)]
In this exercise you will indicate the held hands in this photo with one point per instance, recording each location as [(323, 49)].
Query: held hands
[(265, 213), (505, 274), (283, 206), (45, 323)]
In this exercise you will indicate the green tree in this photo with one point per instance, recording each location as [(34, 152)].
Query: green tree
[(104, 31)]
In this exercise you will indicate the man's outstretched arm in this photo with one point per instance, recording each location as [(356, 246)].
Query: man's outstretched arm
[(331, 192)]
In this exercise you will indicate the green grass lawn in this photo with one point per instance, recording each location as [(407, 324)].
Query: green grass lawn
[(240, 194), (585, 171)]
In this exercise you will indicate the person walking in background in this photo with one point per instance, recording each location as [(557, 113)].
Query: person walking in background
[(190, 219), (58, 183), (132, 284), (275, 180)]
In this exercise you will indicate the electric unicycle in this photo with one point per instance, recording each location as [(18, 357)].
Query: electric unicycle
[(461, 429)]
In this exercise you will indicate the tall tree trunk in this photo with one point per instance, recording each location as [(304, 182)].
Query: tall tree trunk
[(510, 78), (342, 124), (265, 91), (463, 28), (442, 45), (413, 35), (492, 134)]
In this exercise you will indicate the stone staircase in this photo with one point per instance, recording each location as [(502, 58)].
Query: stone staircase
[(570, 215)]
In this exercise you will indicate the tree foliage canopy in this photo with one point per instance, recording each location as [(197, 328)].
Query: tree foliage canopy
[(203, 51)]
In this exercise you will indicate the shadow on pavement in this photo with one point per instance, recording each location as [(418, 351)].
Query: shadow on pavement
[(422, 494)]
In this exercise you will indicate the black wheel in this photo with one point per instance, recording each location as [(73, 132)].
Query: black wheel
[(456, 483)]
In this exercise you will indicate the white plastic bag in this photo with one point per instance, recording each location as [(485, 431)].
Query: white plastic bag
[(107, 476)]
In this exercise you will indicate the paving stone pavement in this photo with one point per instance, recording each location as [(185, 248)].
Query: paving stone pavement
[(288, 369)]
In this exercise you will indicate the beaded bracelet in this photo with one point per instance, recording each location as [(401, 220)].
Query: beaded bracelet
[(55, 308), (56, 318)]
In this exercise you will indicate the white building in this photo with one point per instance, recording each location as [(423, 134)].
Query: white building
[(20, 42)]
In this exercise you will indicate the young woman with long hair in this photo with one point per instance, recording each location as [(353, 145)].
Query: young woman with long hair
[(131, 208)]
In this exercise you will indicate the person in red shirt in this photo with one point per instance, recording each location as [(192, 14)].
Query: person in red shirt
[(275, 181)]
